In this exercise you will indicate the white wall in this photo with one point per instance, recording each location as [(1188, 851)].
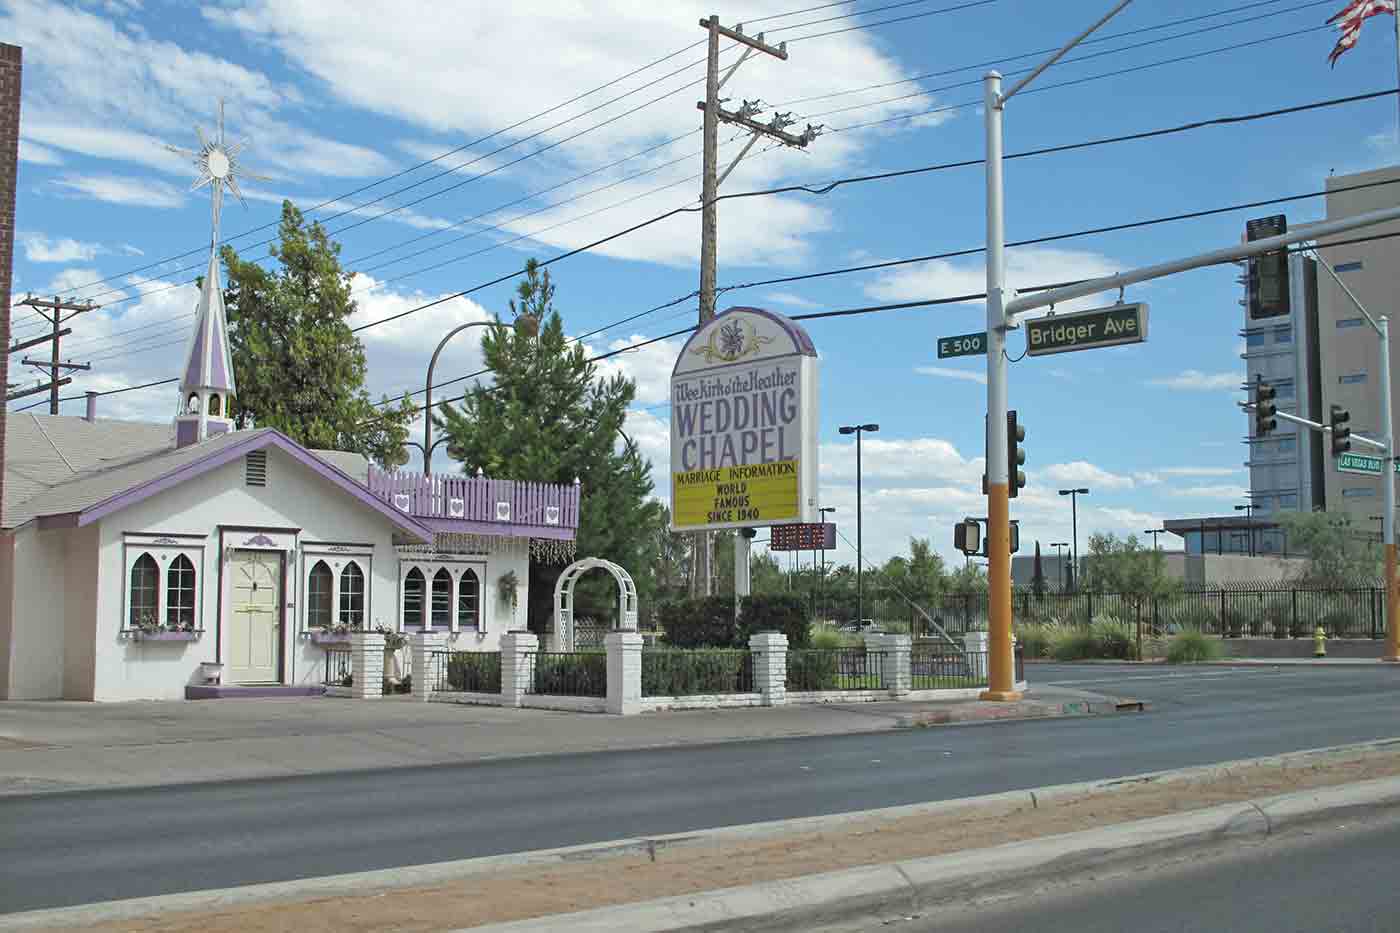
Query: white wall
[(294, 498), (37, 633)]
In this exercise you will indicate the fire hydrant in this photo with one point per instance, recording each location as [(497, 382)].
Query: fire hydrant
[(1319, 643)]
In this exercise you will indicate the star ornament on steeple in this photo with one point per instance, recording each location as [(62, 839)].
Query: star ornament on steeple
[(216, 162)]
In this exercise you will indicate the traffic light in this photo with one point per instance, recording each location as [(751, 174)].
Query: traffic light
[(1341, 432), (1264, 407), (1268, 273), (1015, 456)]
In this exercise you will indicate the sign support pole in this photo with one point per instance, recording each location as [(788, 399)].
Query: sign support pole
[(1392, 592)]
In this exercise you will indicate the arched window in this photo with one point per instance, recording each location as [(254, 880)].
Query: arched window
[(192, 406), (318, 596), (145, 580), (352, 596), (442, 599), (413, 586), (468, 600), (179, 592), (215, 408)]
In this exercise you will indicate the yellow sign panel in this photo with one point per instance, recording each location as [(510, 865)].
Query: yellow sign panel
[(756, 494)]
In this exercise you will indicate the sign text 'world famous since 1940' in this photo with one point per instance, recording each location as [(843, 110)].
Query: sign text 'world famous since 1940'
[(742, 423)]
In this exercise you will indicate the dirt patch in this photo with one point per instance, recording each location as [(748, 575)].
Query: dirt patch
[(689, 868)]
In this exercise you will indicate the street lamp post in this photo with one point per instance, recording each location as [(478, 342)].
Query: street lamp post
[(1059, 547), (1074, 495), (527, 325), (821, 581), (1248, 510), (858, 430), (1154, 532)]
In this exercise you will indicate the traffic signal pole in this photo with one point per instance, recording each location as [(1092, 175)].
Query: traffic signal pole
[(1001, 684)]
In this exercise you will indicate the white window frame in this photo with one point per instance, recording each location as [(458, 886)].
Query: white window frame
[(429, 565), (336, 556), (163, 548)]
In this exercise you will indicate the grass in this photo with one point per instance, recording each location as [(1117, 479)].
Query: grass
[(1193, 647)]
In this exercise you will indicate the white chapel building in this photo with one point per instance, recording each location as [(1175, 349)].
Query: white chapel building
[(151, 560)]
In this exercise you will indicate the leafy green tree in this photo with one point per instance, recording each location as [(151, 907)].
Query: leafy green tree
[(550, 418), (1336, 552), (1127, 567), (299, 367)]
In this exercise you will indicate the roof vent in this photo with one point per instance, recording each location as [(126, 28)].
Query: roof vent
[(255, 468)]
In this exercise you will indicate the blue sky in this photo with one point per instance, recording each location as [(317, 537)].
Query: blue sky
[(336, 96)]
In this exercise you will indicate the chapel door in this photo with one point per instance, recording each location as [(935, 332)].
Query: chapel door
[(255, 636)]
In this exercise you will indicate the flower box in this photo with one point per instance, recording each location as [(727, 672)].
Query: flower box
[(330, 638), (139, 635)]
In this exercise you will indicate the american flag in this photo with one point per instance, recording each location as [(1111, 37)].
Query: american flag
[(1349, 22)]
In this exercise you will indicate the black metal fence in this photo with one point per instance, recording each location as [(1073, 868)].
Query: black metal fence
[(835, 669), (466, 671), (338, 671), (677, 673), (943, 668), (568, 673), (1238, 611)]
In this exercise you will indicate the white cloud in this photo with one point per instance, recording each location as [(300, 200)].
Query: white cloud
[(36, 154), (948, 372), (791, 300), (39, 248), (128, 250), (1199, 471), (405, 216), (1081, 471), (1223, 491), (1025, 266), (74, 279), (650, 366), (1193, 380), (118, 189)]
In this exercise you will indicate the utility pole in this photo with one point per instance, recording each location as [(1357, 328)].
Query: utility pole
[(57, 319), (702, 583)]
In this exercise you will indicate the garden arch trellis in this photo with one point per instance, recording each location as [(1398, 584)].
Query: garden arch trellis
[(564, 598)]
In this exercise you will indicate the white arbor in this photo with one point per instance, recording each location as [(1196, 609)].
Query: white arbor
[(562, 637)]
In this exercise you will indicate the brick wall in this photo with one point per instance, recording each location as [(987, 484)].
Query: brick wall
[(11, 61)]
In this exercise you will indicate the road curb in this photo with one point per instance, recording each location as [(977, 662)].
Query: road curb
[(915, 885), (1020, 710), (359, 883)]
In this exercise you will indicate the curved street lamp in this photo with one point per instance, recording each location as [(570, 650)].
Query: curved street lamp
[(526, 325)]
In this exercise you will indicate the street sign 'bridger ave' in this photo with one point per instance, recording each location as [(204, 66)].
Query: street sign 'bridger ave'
[(744, 424), (1085, 330)]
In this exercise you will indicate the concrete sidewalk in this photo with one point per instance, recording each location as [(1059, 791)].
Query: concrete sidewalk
[(57, 745)]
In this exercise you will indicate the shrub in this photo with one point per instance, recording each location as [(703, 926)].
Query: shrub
[(1194, 619), (671, 673), (1339, 623), (474, 671), (827, 638), (812, 670), (581, 673), (706, 622), (1115, 639), (1191, 647), (775, 613), (1035, 638), (1074, 643)]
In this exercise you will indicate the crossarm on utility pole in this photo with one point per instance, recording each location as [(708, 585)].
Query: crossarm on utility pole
[(1023, 303)]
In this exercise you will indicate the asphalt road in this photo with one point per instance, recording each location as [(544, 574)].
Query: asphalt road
[(65, 849), (1333, 878)]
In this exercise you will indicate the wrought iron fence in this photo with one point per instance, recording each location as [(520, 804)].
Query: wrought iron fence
[(682, 672), (568, 673), (835, 669), (1238, 611), (338, 672), (1019, 654), (942, 668), (466, 671)]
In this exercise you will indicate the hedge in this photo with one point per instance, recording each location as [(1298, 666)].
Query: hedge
[(708, 622), (678, 673), (474, 671)]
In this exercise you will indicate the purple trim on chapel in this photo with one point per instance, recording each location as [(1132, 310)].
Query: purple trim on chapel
[(219, 378), (267, 437), (186, 432), (194, 370), (459, 526), (800, 338)]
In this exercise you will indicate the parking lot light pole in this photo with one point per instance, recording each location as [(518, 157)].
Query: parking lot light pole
[(821, 581), (1074, 495), (1248, 510), (858, 430), (1059, 547)]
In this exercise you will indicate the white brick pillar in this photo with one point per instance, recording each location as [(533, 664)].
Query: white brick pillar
[(425, 672), (977, 644), (366, 665), (770, 666), (624, 671), (517, 656), (897, 658)]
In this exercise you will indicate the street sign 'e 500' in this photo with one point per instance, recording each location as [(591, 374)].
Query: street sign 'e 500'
[(962, 345), (1085, 330)]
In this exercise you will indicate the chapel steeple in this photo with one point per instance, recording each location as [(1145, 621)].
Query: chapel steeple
[(206, 383)]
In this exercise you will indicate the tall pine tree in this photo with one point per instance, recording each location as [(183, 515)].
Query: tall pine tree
[(299, 367), (549, 417)]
